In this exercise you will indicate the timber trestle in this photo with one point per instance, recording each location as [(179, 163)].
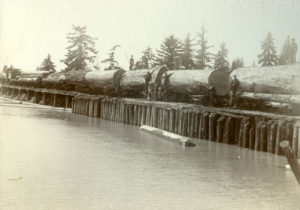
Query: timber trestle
[(255, 130)]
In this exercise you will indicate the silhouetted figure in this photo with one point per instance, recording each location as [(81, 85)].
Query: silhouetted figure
[(211, 96), (147, 78), (235, 83), (131, 63), (166, 84), (150, 92), (234, 86)]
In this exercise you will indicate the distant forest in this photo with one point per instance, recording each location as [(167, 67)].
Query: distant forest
[(187, 53)]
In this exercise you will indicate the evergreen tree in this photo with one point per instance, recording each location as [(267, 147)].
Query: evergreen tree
[(5, 69), (288, 52), (81, 52), (147, 60), (268, 56), (47, 64), (170, 52), (203, 56), (188, 53), (221, 62), (237, 63), (113, 64)]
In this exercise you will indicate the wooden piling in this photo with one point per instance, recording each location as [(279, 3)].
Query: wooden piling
[(263, 137), (279, 135), (212, 126), (220, 128)]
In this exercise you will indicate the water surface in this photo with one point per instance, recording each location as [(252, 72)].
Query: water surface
[(51, 159)]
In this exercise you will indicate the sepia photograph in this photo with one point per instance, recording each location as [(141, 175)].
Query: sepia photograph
[(149, 104)]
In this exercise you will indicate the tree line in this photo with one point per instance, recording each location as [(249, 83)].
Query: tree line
[(269, 56), (189, 53)]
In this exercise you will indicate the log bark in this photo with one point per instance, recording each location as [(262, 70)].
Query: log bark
[(283, 79), (281, 98), (106, 82), (132, 82), (197, 82)]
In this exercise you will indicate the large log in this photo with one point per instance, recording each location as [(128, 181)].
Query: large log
[(65, 80), (106, 82), (52, 80), (30, 78), (195, 82), (281, 98), (133, 82), (283, 79)]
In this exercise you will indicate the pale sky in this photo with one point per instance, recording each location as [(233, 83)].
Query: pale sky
[(30, 29)]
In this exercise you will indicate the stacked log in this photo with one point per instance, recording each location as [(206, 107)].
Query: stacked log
[(193, 82), (133, 84), (106, 82), (276, 83)]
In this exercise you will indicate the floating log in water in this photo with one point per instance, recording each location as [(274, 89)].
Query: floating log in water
[(172, 136)]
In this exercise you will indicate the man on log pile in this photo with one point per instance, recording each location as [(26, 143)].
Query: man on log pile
[(131, 63), (211, 96), (235, 83), (148, 78)]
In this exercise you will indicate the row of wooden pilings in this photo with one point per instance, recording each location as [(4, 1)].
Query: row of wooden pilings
[(39, 96), (260, 132)]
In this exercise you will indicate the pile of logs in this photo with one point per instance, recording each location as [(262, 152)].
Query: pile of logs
[(277, 83)]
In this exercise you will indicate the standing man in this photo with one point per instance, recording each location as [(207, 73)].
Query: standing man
[(131, 63), (212, 96), (235, 83)]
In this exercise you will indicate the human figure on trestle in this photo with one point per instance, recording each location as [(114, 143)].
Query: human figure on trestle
[(234, 86)]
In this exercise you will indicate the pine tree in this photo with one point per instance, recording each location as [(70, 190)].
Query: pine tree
[(268, 57), (81, 52), (5, 69), (47, 64), (188, 53), (288, 52), (113, 64), (170, 52), (237, 63), (147, 60), (203, 56), (221, 62)]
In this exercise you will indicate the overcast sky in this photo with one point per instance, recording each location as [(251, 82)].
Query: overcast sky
[(30, 29)]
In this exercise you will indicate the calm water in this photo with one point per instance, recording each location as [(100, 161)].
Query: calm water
[(52, 159)]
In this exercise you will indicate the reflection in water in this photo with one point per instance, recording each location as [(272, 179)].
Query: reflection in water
[(52, 159)]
